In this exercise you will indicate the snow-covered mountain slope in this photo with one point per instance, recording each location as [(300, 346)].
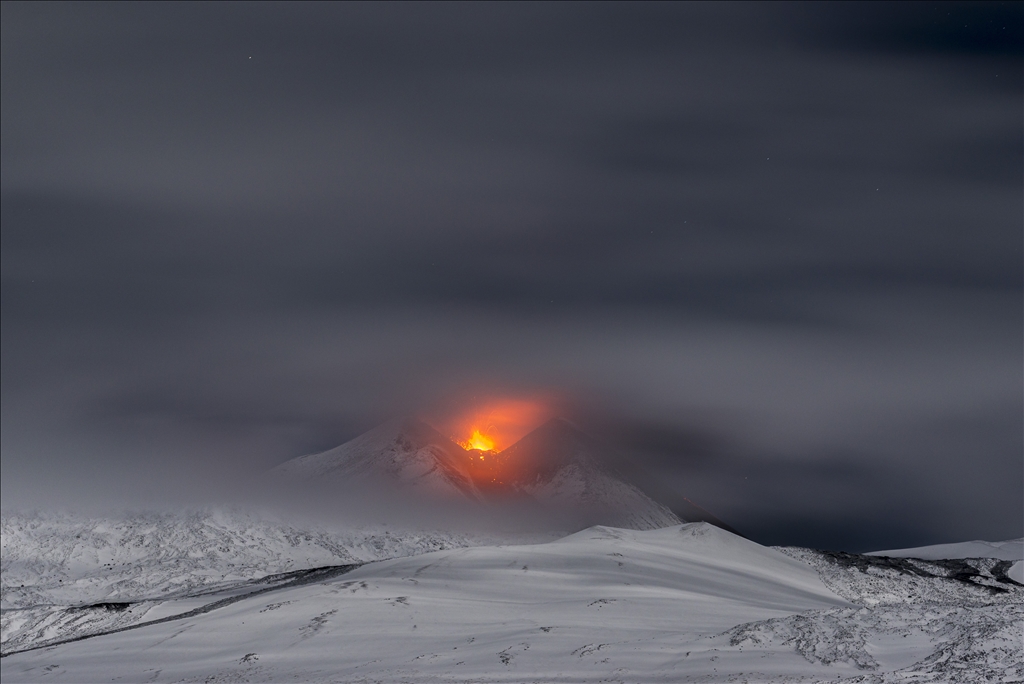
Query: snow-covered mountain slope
[(685, 603), (40, 626), (949, 620), (877, 580), (934, 643), (1006, 550), (61, 560), (407, 451), (555, 466)]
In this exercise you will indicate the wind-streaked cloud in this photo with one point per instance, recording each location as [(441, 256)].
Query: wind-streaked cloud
[(773, 252)]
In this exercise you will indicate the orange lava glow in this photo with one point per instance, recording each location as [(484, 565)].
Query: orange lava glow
[(478, 442), (497, 424)]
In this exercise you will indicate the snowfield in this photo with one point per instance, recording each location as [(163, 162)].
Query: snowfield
[(684, 603), (51, 559)]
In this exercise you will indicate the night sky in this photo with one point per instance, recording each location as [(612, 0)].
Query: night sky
[(772, 251)]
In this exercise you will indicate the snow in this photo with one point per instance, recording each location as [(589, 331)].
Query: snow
[(1006, 550), (683, 603), (54, 559), (406, 450), (555, 470)]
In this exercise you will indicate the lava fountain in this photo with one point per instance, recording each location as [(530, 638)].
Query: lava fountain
[(496, 424), (478, 442)]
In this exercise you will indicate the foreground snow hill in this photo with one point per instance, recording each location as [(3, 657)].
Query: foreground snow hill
[(684, 603), (473, 613)]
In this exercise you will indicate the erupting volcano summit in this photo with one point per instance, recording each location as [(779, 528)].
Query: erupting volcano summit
[(555, 465)]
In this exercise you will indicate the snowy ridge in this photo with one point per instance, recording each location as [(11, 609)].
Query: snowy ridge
[(1006, 550), (878, 580), (43, 625), (561, 466), (60, 560), (590, 488), (405, 450)]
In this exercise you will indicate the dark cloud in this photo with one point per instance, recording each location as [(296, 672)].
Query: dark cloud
[(769, 250), (936, 28)]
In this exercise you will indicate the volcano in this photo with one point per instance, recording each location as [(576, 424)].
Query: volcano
[(557, 467), (404, 452)]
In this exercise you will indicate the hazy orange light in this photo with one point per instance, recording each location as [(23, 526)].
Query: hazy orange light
[(496, 424)]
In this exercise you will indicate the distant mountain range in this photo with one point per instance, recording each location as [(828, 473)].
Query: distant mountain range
[(556, 466)]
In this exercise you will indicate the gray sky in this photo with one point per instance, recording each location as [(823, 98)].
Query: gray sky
[(774, 250)]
